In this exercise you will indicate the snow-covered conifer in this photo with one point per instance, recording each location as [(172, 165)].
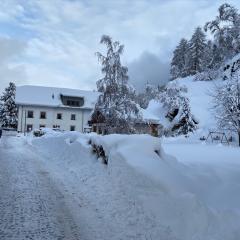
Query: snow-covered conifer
[(186, 122), (226, 31), (8, 108), (178, 64), (178, 111), (196, 53)]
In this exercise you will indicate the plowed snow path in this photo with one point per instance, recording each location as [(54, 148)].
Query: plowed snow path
[(31, 203)]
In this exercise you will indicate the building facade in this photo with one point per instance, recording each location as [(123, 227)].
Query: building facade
[(45, 107)]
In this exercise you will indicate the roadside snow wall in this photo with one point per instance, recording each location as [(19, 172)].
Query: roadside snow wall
[(142, 190)]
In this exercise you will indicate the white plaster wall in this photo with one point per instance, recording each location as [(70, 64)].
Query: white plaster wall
[(82, 117)]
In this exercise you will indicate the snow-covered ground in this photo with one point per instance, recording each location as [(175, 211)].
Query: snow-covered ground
[(200, 95), (54, 187), (55, 183), (32, 203)]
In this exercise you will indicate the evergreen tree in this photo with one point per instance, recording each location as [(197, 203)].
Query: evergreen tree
[(8, 108), (226, 31), (186, 123), (177, 110), (211, 63), (208, 56), (178, 64), (217, 57), (116, 102), (196, 53)]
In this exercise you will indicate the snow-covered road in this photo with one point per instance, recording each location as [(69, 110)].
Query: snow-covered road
[(55, 188), (32, 205)]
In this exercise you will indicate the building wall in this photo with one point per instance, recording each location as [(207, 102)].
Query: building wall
[(82, 117)]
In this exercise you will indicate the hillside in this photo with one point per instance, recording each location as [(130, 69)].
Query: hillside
[(200, 99), (199, 94)]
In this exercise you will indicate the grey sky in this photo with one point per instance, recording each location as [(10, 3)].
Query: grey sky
[(52, 42)]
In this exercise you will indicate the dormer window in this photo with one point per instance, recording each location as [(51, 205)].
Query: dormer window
[(72, 101)]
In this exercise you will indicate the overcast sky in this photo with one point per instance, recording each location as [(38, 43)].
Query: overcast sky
[(52, 42)]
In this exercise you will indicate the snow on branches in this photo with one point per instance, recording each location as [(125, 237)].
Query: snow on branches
[(177, 110), (8, 108), (201, 55), (116, 102), (227, 101)]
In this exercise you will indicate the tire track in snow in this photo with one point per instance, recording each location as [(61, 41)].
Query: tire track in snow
[(31, 205)]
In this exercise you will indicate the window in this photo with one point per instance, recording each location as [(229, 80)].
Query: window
[(29, 127), (73, 103), (73, 116), (72, 128), (30, 114), (59, 116), (43, 115), (56, 126), (42, 126)]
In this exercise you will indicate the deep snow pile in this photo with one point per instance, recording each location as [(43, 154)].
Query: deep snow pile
[(144, 193)]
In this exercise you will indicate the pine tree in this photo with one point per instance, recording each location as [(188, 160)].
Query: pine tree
[(208, 56), (217, 57), (8, 112), (116, 102), (211, 63), (196, 53), (187, 122), (178, 111), (226, 31), (178, 64)]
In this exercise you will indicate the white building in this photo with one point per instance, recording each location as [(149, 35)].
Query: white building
[(66, 109)]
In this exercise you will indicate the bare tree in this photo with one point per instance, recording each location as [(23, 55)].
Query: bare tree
[(227, 103), (117, 100)]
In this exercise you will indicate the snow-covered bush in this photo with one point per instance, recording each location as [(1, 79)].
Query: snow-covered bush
[(38, 133), (207, 75), (99, 151)]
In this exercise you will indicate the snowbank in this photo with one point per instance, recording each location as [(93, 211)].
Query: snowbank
[(145, 193), (144, 154)]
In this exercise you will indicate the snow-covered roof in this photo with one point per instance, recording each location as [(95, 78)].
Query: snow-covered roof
[(50, 96), (154, 113)]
